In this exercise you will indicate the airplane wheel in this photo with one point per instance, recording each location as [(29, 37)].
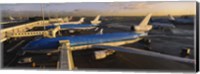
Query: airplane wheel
[(147, 41), (132, 28), (185, 52)]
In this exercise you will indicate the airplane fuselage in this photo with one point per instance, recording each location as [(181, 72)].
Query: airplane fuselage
[(157, 25), (73, 26), (85, 41), (183, 21), (162, 23)]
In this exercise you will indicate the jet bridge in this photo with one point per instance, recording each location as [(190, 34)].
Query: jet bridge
[(66, 59), (48, 33), (18, 30), (28, 34)]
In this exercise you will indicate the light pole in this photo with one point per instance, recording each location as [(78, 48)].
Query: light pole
[(42, 10)]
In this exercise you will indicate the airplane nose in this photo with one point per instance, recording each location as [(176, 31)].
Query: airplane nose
[(27, 47)]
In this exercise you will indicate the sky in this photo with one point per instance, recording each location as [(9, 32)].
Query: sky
[(108, 8)]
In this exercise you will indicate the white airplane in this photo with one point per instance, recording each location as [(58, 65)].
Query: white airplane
[(11, 19), (181, 20), (104, 40), (71, 22), (72, 26), (161, 23)]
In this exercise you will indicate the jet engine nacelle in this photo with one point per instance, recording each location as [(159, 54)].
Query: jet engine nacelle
[(81, 20), (103, 53)]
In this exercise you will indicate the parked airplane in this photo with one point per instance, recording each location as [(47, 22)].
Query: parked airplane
[(161, 23), (181, 20), (71, 26), (66, 22), (19, 19), (105, 41), (157, 23), (68, 18), (163, 26), (12, 20)]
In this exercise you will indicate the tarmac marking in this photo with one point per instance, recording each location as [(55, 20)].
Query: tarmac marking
[(18, 44), (11, 61)]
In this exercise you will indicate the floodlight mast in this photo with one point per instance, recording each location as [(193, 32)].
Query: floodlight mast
[(42, 10)]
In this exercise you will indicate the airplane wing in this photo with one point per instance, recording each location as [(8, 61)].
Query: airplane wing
[(147, 53)]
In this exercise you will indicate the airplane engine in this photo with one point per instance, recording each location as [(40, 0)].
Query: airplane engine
[(25, 60), (147, 43), (103, 54)]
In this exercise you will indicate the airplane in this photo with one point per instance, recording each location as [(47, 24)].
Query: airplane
[(157, 23), (163, 26), (51, 33), (104, 41), (181, 20), (72, 26), (12, 20), (161, 23), (69, 18), (71, 22)]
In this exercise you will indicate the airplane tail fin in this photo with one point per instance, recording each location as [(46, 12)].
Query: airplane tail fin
[(71, 17), (171, 17), (66, 19), (82, 20), (100, 30), (11, 18), (96, 21), (143, 26)]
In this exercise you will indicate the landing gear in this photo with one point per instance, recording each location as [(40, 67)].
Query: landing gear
[(132, 28), (147, 40), (185, 52), (147, 43), (149, 47)]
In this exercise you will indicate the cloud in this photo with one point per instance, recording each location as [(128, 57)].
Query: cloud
[(86, 12), (137, 5)]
